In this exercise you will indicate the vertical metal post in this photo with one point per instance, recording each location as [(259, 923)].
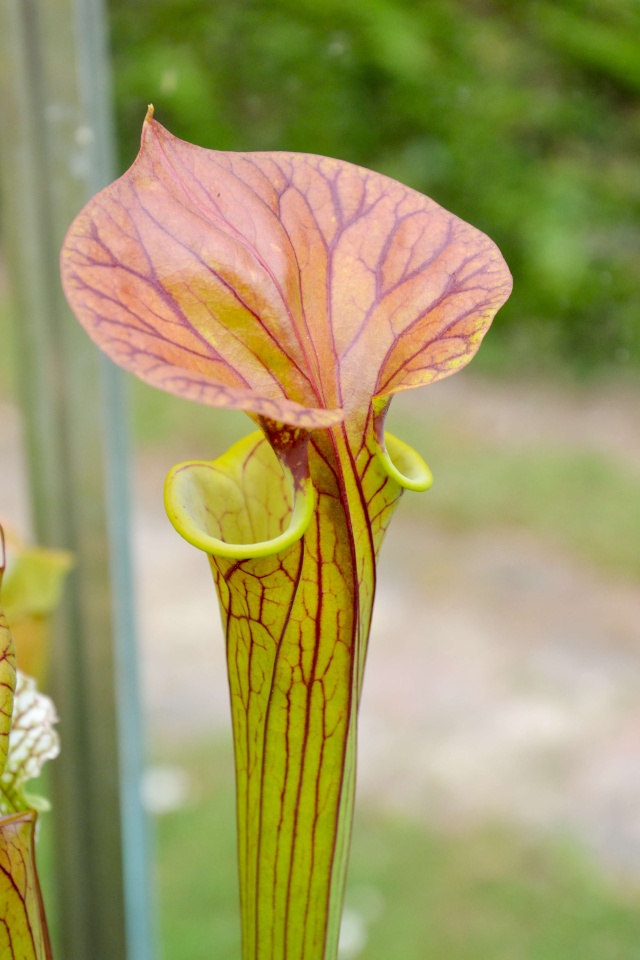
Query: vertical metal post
[(56, 149)]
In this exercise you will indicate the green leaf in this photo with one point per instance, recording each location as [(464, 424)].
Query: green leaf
[(34, 585), (32, 592), (23, 927)]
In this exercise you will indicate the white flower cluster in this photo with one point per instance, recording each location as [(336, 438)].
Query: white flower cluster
[(32, 741)]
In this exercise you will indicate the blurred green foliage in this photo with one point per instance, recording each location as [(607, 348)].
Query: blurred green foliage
[(523, 118)]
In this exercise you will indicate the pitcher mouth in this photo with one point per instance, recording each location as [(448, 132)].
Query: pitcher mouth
[(240, 506), (403, 464)]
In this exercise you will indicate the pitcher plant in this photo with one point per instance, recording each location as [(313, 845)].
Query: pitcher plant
[(27, 740), (305, 291)]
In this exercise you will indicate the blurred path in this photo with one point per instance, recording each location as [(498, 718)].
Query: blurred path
[(528, 415), (503, 679)]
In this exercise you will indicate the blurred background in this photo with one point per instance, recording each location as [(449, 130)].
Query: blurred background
[(499, 793)]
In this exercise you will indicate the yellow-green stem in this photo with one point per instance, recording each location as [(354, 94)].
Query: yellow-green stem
[(296, 613)]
